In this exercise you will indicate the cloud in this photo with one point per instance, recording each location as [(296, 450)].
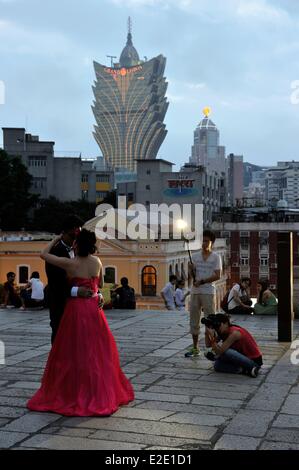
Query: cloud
[(175, 98), (195, 86), (261, 10), (216, 11)]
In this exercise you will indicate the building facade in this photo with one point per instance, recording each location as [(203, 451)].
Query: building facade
[(282, 183), (66, 178), (129, 108), (157, 184), (147, 264), (252, 252), (206, 150), (235, 178)]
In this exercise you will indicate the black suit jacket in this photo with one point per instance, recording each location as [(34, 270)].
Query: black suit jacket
[(59, 288)]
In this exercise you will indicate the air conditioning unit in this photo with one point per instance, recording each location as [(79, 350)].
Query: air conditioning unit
[(273, 286), (235, 265), (273, 265)]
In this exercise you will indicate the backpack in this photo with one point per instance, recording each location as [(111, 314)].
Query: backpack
[(224, 302)]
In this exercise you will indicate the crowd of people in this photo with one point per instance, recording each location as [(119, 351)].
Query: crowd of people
[(32, 295), (75, 380)]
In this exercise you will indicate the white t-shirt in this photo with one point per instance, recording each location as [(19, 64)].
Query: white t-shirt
[(37, 287), (169, 293), (231, 302), (179, 298), (204, 270)]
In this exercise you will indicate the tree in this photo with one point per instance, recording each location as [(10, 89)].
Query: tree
[(50, 213), (110, 199), (15, 197)]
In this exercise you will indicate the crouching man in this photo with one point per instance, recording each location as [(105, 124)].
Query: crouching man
[(234, 348)]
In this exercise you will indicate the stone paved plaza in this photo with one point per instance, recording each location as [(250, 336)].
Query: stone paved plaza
[(180, 403)]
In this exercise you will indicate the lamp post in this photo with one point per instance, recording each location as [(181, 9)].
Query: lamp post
[(182, 225), (285, 286)]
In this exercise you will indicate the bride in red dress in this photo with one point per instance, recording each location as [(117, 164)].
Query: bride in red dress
[(83, 375)]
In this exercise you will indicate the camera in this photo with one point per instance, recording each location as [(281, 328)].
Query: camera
[(211, 322)]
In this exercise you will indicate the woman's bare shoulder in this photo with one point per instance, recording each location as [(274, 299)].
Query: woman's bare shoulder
[(96, 260)]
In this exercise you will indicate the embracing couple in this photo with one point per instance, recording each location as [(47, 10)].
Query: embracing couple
[(83, 375)]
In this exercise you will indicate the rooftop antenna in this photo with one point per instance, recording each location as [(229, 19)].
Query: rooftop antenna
[(111, 57), (129, 25)]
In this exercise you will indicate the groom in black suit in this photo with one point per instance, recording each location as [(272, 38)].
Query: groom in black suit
[(59, 288)]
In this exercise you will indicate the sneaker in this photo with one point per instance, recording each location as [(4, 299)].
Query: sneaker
[(210, 356), (192, 353), (254, 372)]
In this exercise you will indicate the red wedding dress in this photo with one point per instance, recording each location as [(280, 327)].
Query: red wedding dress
[(83, 375)]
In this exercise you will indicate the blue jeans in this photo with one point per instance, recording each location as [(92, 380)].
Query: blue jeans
[(233, 362)]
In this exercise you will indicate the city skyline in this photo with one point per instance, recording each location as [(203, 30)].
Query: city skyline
[(238, 58)]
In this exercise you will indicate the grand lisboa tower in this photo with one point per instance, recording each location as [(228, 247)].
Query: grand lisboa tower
[(129, 107)]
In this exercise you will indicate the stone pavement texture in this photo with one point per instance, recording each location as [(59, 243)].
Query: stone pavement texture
[(180, 403)]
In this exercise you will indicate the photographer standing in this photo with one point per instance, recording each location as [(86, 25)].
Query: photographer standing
[(204, 271), (238, 353)]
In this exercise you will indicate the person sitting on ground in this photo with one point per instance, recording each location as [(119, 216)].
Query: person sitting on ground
[(238, 353), (168, 293), (33, 293), (11, 296), (124, 296), (266, 301), (238, 300), (181, 294)]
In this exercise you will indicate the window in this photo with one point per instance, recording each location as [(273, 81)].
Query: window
[(84, 195), (244, 261), (109, 276), (101, 194), (147, 187), (23, 274), (102, 178), (149, 281), (148, 172), (37, 161), (264, 241), (39, 183), (264, 261), (244, 243), (84, 178)]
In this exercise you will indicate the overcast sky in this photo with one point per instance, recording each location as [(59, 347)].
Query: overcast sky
[(237, 56)]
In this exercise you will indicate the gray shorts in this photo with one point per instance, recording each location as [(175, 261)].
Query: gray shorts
[(199, 302)]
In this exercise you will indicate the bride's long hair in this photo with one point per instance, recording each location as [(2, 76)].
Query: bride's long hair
[(85, 243)]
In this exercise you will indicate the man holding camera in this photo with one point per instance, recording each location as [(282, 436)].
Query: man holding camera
[(204, 270), (234, 349)]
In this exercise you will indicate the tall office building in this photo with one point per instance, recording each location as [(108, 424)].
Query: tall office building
[(129, 107), (235, 178), (206, 150)]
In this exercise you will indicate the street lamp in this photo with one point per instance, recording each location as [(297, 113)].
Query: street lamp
[(182, 225)]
